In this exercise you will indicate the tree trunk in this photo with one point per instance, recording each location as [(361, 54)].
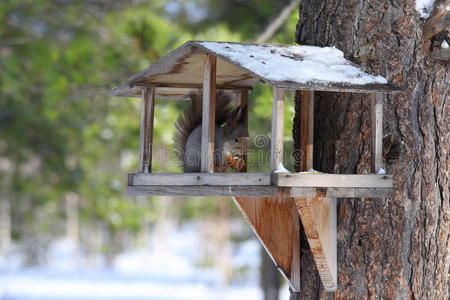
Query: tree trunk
[(270, 277), (5, 224), (387, 248)]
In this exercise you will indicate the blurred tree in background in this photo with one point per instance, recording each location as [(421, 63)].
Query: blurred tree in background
[(65, 148)]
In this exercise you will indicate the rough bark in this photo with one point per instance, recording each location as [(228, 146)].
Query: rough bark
[(387, 248)]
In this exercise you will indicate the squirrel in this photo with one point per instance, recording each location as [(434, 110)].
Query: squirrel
[(231, 135)]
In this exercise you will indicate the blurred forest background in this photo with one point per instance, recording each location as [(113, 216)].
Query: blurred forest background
[(65, 147)]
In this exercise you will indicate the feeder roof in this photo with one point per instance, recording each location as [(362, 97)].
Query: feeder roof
[(242, 65)]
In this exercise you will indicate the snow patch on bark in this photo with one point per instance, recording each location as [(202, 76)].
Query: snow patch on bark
[(424, 7)]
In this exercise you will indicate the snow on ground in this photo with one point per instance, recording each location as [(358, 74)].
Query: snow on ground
[(165, 271), (300, 64), (424, 7)]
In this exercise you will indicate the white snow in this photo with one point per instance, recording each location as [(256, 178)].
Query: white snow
[(444, 45), (299, 64), (166, 270), (424, 7), (281, 169), (381, 171)]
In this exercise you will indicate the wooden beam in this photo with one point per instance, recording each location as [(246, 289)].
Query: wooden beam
[(307, 129), (318, 216), (200, 179), (377, 130), (189, 86), (254, 191), (275, 222), (209, 114), (146, 132), (276, 148), (243, 101), (331, 180), (441, 54)]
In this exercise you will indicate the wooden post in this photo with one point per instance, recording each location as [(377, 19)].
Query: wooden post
[(146, 135), (377, 130), (307, 129), (276, 148), (319, 218), (209, 116), (243, 101)]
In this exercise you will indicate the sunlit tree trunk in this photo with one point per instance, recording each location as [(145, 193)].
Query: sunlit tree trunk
[(5, 224), (270, 277), (72, 218), (393, 248)]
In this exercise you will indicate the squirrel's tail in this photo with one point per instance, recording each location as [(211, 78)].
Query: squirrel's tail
[(192, 117)]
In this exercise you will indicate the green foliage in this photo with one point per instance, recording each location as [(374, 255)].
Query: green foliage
[(60, 132)]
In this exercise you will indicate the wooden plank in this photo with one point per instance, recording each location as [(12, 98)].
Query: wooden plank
[(276, 146), (441, 54), (377, 130), (208, 117), (202, 190), (307, 129), (255, 190), (146, 132), (336, 87), (318, 216), (243, 101), (200, 179), (275, 222), (346, 192), (331, 180), (189, 86)]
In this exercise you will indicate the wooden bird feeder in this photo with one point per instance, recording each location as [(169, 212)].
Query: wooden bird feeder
[(273, 203)]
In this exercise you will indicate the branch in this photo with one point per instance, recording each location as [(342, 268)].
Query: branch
[(276, 24), (438, 21)]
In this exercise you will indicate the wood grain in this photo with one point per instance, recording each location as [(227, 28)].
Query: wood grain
[(253, 190), (441, 54), (377, 130), (318, 216), (209, 114), (146, 132), (275, 222), (332, 180), (276, 145), (200, 179), (307, 130)]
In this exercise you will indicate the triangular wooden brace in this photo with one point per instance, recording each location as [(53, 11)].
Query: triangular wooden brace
[(276, 222), (318, 216)]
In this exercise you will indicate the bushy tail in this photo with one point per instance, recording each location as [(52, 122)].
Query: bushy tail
[(192, 117)]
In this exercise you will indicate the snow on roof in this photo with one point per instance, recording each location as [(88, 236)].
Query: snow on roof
[(300, 64), (242, 65)]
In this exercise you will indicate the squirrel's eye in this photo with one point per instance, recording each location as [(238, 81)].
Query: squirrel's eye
[(236, 140)]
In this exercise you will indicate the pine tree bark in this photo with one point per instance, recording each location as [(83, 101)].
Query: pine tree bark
[(393, 248)]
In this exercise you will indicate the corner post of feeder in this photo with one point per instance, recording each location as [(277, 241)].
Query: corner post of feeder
[(307, 129), (276, 147), (146, 132), (243, 102), (208, 114), (377, 130)]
